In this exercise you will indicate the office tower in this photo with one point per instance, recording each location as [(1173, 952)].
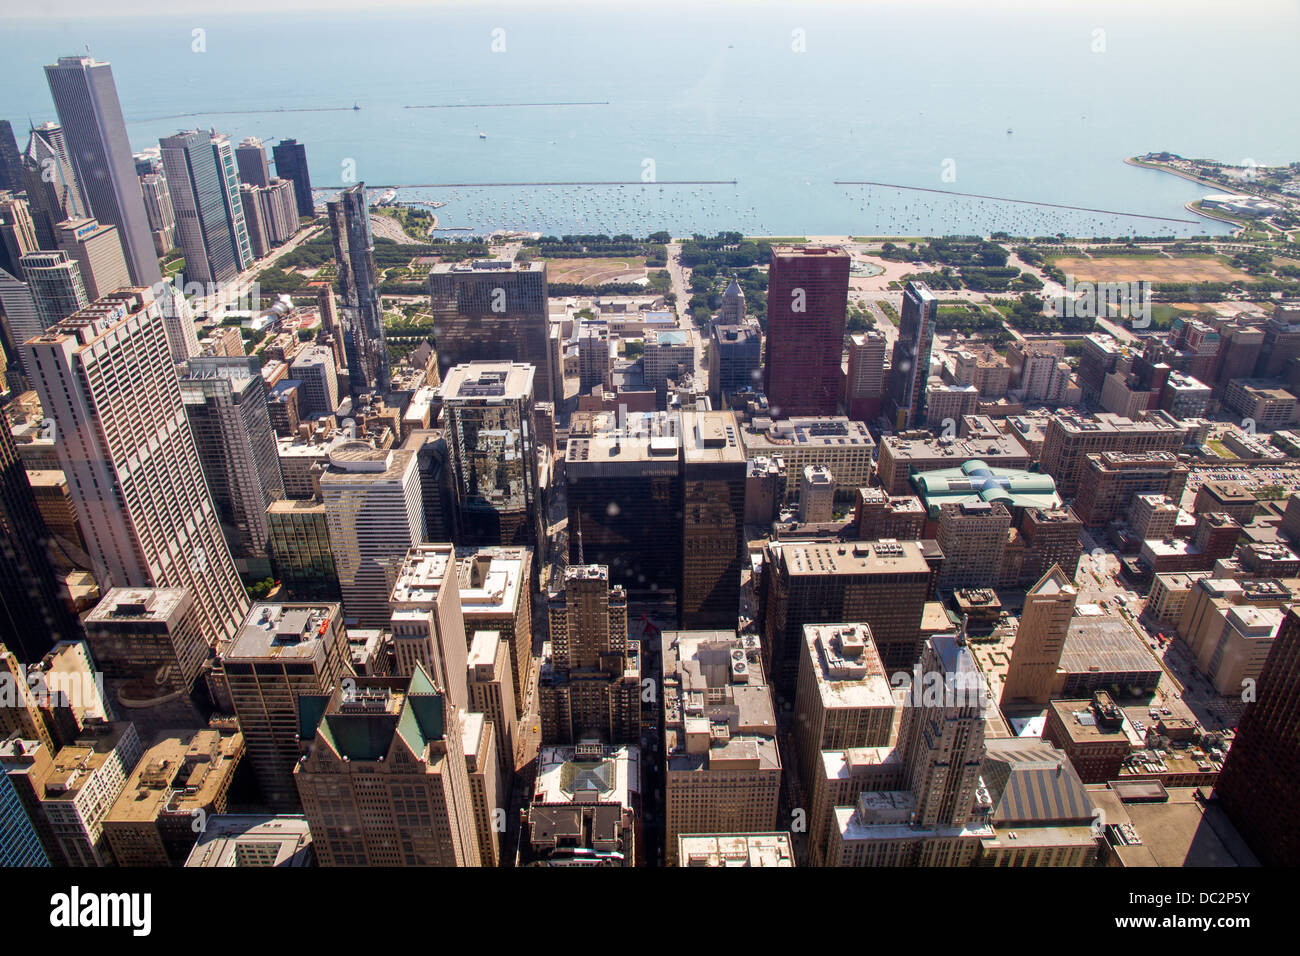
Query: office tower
[(178, 325), (281, 653), (593, 355), (86, 99), (845, 447), (426, 620), (374, 513), (713, 528), (1051, 537), (669, 355), (85, 779), (299, 547), (733, 305), (317, 374), (17, 233), (384, 781), (879, 514), (20, 318), (53, 192), (494, 311), (910, 370), (807, 295), (881, 583), (585, 807), (34, 613), (1111, 480), (973, 538), (844, 698), (253, 220), (252, 839), (1260, 779), (158, 207), (282, 408), (69, 691), (225, 401), (491, 692), (1036, 654), (591, 685), (181, 780), (487, 413), (1070, 438), (735, 359), (279, 210), (210, 226), (20, 707), (56, 286), (941, 735), (362, 317), (21, 821), (496, 595), (864, 386), (722, 766), (106, 378), (488, 790), (291, 164), (98, 252), (11, 173), (250, 157), (1223, 497)]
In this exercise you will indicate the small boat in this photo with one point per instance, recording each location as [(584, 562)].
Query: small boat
[(482, 135), (1008, 130), (355, 106)]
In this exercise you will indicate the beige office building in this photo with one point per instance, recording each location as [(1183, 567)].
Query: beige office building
[(426, 622), (495, 595), (491, 693), (1032, 674)]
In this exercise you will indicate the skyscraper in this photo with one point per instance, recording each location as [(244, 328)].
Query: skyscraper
[(250, 157), (374, 513), (362, 318), (17, 232), (210, 227), (21, 319), (487, 410), (1260, 781), (807, 297), (494, 311), (384, 782), (106, 378), (56, 285), (911, 362), (291, 164), (733, 305), (591, 685), (158, 206), (426, 620), (735, 359), (225, 401), (11, 173), (100, 152), (1044, 624), (98, 253), (33, 612), (51, 182), (713, 522)]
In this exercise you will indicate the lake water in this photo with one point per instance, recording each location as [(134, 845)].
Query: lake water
[(1013, 99)]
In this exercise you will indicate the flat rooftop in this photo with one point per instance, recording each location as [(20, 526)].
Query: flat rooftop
[(483, 381), (858, 557), (425, 570), (279, 631)]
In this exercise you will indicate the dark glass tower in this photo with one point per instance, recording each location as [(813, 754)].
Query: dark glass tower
[(291, 163), (362, 319)]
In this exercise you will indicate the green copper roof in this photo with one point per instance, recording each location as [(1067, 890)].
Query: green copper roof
[(975, 481)]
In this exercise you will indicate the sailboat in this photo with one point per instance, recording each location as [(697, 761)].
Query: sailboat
[(482, 135)]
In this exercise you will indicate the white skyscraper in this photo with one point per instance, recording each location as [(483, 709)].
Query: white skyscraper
[(107, 380)]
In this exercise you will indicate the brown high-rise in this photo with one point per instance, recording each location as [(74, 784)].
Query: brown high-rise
[(807, 295), (1044, 624), (1260, 782)]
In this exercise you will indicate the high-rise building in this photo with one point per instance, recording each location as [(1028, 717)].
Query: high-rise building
[(21, 822), (384, 782), (98, 252), (375, 515), (864, 385), (426, 620), (494, 311), (283, 652), (51, 183), (884, 584), (253, 220), (487, 412), (807, 297), (300, 552), (1111, 480), (147, 640), (735, 358), (178, 325), (816, 494), (247, 839), (314, 369), (585, 806), (910, 370), (973, 537), (17, 232), (496, 595), (713, 520), (1044, 625), (291, 164), (1260, 781), (33, 611), (879, 514), (488, 787), (591, 684), (225, 401), (1070, 438), (722, 765), (250, 157), (362, 318), (158, 207), (20, 319), (491, 693), (106, 379), (11, 173), (733, 305), (56, 285), (210, 226), (100, 152)]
